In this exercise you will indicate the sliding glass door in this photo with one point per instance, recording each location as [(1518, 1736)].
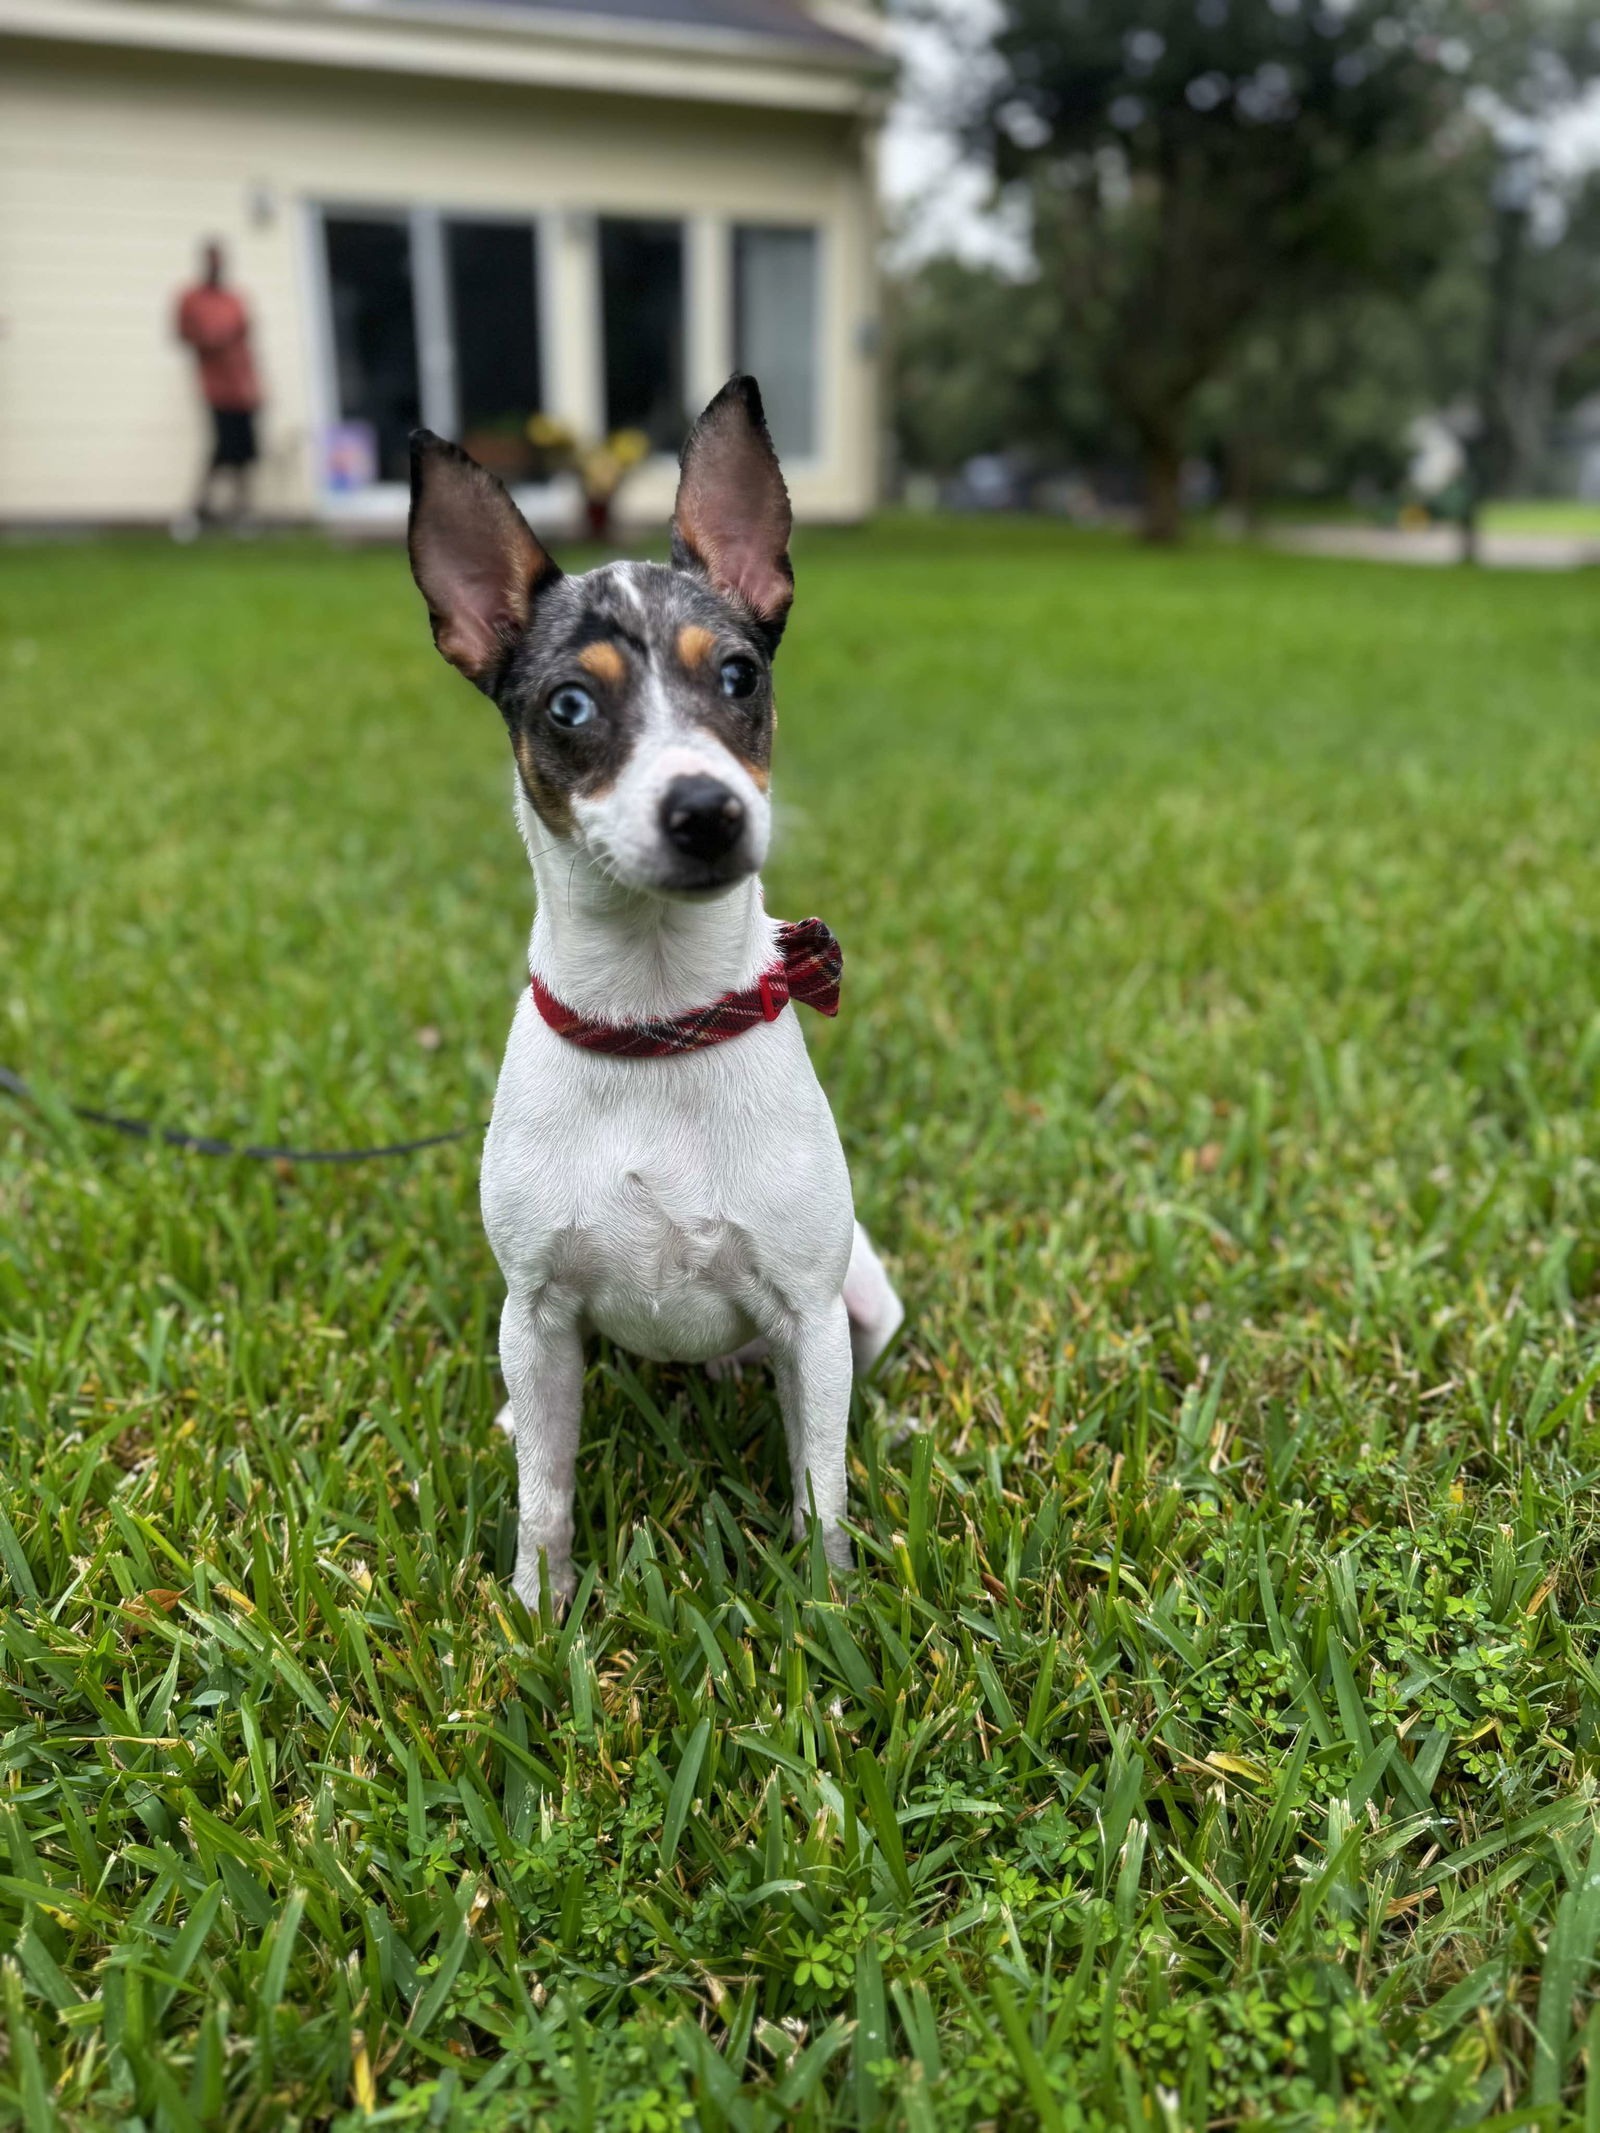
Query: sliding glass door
[(464, 288), (435, 317), (642, 315), (373, 322), (492, 271)]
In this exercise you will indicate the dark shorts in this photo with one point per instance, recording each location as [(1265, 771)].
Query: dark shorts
[(235, 431)]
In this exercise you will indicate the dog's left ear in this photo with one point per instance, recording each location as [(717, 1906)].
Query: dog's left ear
[(732, 518), (474, 556)]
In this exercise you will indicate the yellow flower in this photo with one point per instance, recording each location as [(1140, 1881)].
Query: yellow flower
[(549, 432)]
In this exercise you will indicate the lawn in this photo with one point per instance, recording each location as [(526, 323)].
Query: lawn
[(1555, 514), (1210, 1729)]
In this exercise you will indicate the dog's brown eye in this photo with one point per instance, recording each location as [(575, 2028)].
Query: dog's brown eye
[(738, 677), (571, 706)]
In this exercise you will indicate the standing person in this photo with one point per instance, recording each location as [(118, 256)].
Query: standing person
[(212, 319)]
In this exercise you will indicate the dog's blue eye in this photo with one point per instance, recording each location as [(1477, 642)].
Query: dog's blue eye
[(571, 706), (738, 677)]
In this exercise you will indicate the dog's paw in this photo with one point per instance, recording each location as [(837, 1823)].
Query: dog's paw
[(563, 1582), (735, 1365), (892, 1426)]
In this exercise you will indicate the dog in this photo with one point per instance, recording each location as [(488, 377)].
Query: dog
[(661, 1165)]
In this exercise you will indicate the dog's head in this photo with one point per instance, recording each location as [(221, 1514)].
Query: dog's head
[(638, 696)]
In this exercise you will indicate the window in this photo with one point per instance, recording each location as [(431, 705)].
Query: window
[(775, 329), (374, 333), (494, 317), (641, 301), (435, 317)]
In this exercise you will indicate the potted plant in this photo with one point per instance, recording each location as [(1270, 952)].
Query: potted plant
[(601, 467)]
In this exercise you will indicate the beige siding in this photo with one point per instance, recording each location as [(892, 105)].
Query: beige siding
[(114, 168)]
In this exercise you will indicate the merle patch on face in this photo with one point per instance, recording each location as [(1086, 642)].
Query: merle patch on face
[(636, 681), (615, 635)]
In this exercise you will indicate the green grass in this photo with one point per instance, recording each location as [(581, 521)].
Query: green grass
[(1540, 514), (1211, 1728), (1550, 515)]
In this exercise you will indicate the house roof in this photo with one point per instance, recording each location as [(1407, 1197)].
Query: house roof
[(800, 55), (786, 22)]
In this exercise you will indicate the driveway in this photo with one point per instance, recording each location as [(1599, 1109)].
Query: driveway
[(1438, 545)]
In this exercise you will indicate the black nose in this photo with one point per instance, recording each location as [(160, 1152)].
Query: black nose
[(701, 817)]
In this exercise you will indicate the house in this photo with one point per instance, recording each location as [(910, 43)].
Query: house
[(458, 212)]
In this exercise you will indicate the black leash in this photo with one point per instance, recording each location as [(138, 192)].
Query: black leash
[(204, 1144)]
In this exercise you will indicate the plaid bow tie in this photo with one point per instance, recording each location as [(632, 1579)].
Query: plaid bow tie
[(808, 968)]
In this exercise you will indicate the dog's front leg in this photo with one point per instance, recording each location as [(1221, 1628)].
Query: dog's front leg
[(814, 1376), (541, 1360)]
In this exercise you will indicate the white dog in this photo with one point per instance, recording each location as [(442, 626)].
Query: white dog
[(662, 1166)]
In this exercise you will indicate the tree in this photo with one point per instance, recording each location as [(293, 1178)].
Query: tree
[(1311, 399), (1320, 402), (1318, 393), (985, 362), (1554, 332), (1197, 165)]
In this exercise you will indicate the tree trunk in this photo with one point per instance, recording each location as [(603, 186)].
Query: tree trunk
[(1163, 488), (1525, 417), (1241, 478)]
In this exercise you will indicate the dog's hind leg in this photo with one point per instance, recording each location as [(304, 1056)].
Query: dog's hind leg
[(541, 1360), (875, 1313), (875, 1310)]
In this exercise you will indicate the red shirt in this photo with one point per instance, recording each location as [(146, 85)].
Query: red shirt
[(217, 327)]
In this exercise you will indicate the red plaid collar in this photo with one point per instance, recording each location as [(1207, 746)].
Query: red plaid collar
[(808, 967)]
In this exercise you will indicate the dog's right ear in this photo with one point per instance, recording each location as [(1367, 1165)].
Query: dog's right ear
[(474, 557)]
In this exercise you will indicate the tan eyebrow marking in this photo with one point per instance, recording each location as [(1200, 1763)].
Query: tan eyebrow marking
[(695, 645), (604, 662)]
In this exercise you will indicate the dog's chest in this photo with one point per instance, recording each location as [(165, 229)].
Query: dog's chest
[(657, 1270), (670, 1200)]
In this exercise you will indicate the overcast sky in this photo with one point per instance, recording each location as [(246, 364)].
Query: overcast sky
[(938, 199), (1576, 143)]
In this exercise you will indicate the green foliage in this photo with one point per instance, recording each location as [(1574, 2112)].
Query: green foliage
[(987, 363), (1553, 357), (1190, 165), (1314, 398), (1317, 398), (1229, 199), (1209, 1731)]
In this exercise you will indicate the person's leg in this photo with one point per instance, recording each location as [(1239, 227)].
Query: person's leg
[(244, 477), (225, 496), (205, 503), (240, 455), (190, 521)]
